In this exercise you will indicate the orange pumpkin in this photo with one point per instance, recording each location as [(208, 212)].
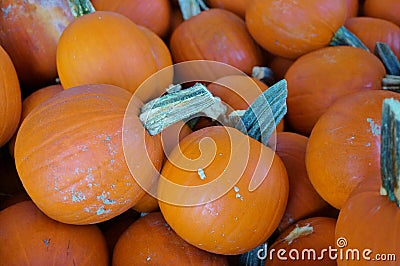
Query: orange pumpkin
[(154, 15), (10, 98), (317, 79), (343, 147), (70, 159), (236, 6), (106, 47), (352, 8), (34, 239), (384, 9), (215, 209), (305, 243), (30, 31), (371, 30), (215, 34), (303, 200), (150, 240), (279, 66), (291, 28)]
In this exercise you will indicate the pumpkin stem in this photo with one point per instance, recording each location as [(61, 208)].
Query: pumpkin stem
[(260, 119), (298, 232), (388, 58), (263, 74), (190, 8), (345, 37), (390, 150), (80, 7), (391, 82), (178, 105)]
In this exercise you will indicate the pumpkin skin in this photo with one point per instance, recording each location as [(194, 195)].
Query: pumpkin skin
[(150, 14), (371, 30), (339, 140), (47, 240), (294, 27), (383, 221), (75, 171), (29, 32), (150, 240), (236, 6), (322, 237), (215, 34), (303, 200), (10, 98), (352, 8), (279, 66), (384, 9), (317, 79), (234, 222), (104, 47)]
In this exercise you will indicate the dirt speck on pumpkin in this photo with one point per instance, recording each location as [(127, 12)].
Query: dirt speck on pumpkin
[(375, 128)]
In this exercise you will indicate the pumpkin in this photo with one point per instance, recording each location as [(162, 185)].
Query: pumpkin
[(308, 242), (352, 8), (106, 47), (33, 100), (303, 201), (150, 240), (291, 28), (153, 15), (34, 239), (371, 210), (207, 195), (236, 6), (215, 34), (70, 158), (384, 9), (10, 98), (29, 32), (317, 79), (343, 147), (371, 30)]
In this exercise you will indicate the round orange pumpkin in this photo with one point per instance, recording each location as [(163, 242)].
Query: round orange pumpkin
[(317, 79), (384, 9), (34, 239), (216, 34), (150, 240), (291, 28), (352, 8), (343, 147), (105, 47), (223, 191), (236, 6), (70, 158), (10, 98)]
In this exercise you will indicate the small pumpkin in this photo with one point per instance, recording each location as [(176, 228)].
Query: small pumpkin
[(70, 159), (34, 239), (344, 146), (384, 9), (150, 240), (10, 98), (317, 79)]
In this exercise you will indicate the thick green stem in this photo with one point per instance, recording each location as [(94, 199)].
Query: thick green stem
[(390, 150), (344, 37), (388, 58), (190, 8), (80, 7)]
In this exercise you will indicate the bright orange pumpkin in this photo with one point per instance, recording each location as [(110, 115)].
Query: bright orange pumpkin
[(70, 159), (215, 34), (10, 98), (150, 240), (352, 8), (34, 239), (236, 6), (217, 211), (154, 14), (317, 79), (105, 47), (344, 146), (384, 9), (290, 28)]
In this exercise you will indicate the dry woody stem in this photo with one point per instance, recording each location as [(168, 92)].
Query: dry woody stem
[(344, 37)]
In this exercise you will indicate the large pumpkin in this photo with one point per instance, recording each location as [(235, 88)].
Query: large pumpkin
[(385, 9), (292, 28), (207, 195), (317, 79), (343, 147), (105, 47), (10, 98), (70, 159), (34, 239)]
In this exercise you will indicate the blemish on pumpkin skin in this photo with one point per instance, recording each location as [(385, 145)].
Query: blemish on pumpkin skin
[(101, 211), (47, 242), (104, 198), (6, 10), (375, 128)]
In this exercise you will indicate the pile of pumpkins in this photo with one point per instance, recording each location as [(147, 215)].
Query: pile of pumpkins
[(69, 71)]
